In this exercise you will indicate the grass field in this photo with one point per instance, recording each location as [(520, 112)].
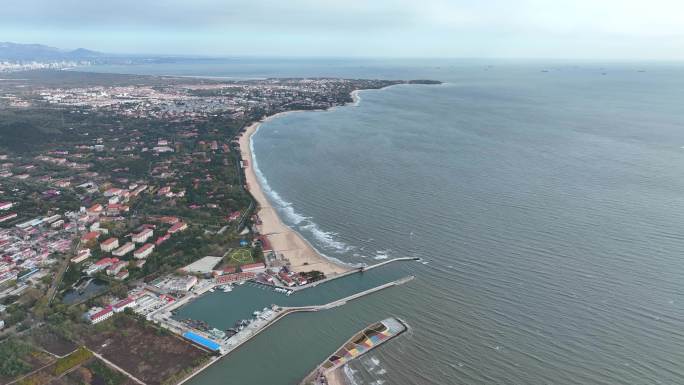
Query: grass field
[(240, 256)]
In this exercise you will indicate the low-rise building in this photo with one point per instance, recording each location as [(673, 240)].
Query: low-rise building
[(235, 277), (116, 209), (90, 236), (113, 192), (169, 220), (120, 276), (144, 251), (95, 209), (109, 245), (7, 217), (253, 267), (100, 265), (142, 236), (97, 315), (123, 304), (6, 205), (178, 227), (123, 250), (81, 256), (285, 279), (115, 268), (179, 283), (162, 239)]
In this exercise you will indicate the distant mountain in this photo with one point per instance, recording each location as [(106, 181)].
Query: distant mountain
[(15, 51)]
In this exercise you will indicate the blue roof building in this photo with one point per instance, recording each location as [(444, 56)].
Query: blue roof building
[(202, 341)]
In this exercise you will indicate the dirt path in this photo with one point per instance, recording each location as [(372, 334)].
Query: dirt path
[(132, 377)]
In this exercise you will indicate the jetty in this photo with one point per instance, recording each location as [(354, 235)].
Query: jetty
[(352, 297), (357, 270)]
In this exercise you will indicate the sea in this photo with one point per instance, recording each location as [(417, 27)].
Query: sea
[(545, 199)]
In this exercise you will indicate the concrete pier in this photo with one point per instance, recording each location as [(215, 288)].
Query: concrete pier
[(350, 272)]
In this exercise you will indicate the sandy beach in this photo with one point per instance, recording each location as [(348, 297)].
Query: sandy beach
[(336, 377), (284, 240)]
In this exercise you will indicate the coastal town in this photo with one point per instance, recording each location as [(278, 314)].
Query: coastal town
[(124, 199)]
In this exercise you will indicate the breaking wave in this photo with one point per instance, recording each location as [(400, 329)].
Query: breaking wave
[(324, 238), (349, 373)]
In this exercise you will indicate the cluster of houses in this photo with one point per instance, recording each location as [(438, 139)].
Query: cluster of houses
[(261, 273), (290, 279), (114, 266), (139, 245), (142, 300), (27, 248)]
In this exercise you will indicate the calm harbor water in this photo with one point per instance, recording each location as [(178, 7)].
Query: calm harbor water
[(548, 204), (243, 300)]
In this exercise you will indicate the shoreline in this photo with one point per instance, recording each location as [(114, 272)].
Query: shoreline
[(284, 240), (337, 377)]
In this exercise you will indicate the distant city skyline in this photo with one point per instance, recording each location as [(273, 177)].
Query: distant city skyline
[(565, 29)]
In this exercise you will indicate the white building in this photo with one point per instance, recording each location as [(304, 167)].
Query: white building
[(123, 250), (123, 304), (116, 267), (81, 256), (144, 251), (97, 315), (178, 283), (109, 245), (142, 236)]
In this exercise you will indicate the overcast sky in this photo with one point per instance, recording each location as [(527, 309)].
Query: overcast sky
[(586, 29)]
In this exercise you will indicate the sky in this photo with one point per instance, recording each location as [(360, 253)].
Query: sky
[(563, 29)]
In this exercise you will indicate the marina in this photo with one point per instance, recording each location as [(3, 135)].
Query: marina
[(256, 306), (227, 345)]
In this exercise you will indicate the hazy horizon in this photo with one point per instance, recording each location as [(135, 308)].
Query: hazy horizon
[(525, 29)]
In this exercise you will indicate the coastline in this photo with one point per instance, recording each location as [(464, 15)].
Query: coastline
[(284, 239)]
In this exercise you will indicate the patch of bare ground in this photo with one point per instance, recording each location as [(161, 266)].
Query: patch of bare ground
[(150, 354)]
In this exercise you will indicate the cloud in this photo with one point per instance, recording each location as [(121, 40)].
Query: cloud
[(385, 27)]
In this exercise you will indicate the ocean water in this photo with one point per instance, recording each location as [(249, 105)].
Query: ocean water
[(546, 198)]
